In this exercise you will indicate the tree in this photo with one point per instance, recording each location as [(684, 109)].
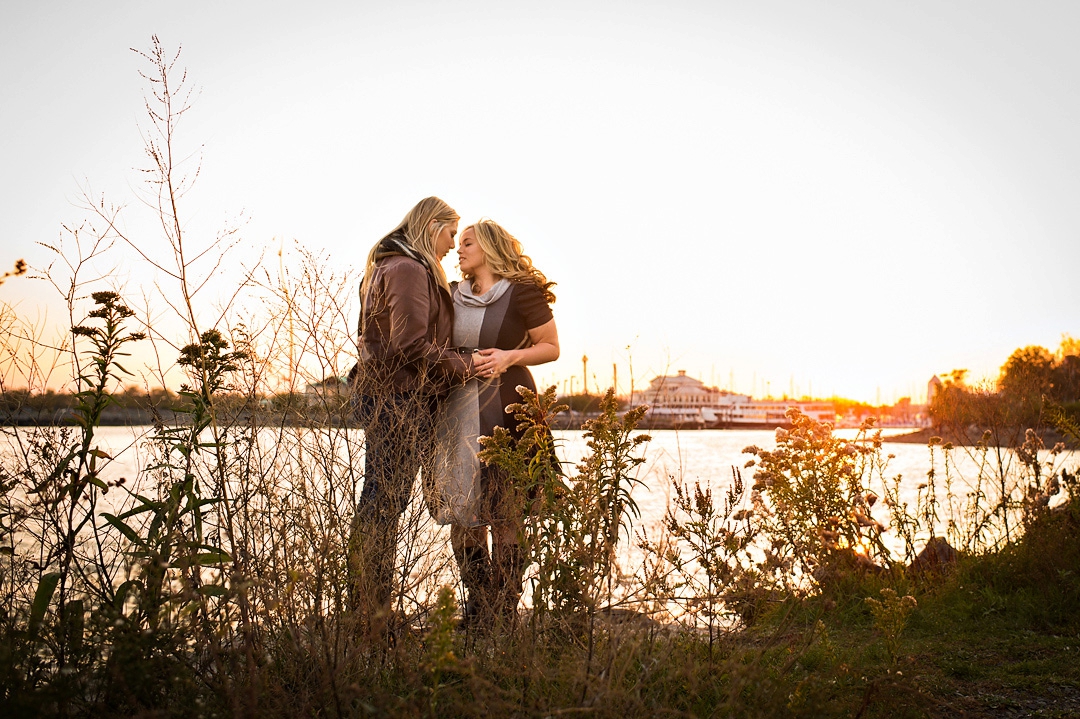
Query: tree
[(1025, 381), (1070, 347), (1065, 376), (1027, 372), (952, 405)]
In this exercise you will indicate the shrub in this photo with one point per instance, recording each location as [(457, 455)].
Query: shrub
[(813, 498)]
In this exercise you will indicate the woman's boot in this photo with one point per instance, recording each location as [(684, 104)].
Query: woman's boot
[(474, 564), (508, 572)]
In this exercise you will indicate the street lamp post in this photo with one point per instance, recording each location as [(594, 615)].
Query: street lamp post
[(571, 402)]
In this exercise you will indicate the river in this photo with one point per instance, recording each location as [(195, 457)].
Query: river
[(706, 457), (297, 458)]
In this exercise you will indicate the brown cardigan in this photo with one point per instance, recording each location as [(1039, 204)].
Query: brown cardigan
[(406, 325)]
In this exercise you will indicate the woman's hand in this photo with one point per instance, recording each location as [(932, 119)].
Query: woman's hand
[(492, 362), (543, 347)]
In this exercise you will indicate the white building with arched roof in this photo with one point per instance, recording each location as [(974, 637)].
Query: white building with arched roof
[(683, 402)]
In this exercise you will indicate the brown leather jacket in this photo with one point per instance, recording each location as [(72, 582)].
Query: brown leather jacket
[(406, 324)]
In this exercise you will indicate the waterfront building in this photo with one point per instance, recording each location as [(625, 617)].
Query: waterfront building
[(683, 402)]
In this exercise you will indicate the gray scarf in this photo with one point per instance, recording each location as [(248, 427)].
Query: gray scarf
[(466, 298)]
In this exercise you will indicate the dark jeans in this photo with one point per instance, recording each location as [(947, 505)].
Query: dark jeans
[(399, 438)]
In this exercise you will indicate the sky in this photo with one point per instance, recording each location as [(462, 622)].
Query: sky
[(826, 198)]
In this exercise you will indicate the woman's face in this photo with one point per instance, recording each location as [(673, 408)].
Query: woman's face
[(470, 256), (444, 240)]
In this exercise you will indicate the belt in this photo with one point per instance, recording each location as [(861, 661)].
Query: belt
[(465, 350)]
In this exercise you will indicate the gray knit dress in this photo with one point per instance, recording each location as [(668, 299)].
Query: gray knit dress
[(461, 490)]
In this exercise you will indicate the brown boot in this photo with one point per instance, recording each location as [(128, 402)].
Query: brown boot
[(370, 563), (474, 566), (508, 572)]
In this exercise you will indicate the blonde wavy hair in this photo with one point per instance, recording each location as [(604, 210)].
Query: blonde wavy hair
[(417, 232), (502, 252)]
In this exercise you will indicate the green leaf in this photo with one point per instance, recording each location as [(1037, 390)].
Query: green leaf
[(127, 531), (122, 593), (148, 505), (42, 597), (213, 590), (196, 516), (157, 523), (216, 557)]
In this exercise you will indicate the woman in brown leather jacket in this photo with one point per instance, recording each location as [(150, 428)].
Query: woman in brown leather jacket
[(406, 367)]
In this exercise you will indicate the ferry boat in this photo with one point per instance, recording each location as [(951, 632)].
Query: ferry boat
[(681, 402)]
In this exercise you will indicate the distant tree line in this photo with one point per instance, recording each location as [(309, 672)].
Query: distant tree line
[(50, 401), (134, 404), (901, 411), (1032, 380), (588, 403)]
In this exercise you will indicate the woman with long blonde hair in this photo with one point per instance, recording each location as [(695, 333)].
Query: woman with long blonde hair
[(502, 315), (407, 367)]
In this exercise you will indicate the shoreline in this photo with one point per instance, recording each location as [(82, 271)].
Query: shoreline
[(972, 436)]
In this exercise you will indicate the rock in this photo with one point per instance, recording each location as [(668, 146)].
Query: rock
[(841, 564), (937, 556)]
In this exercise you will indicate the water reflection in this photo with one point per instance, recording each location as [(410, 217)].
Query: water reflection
[(705, 457)]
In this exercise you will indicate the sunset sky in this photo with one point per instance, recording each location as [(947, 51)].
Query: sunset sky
[(830, 197)]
